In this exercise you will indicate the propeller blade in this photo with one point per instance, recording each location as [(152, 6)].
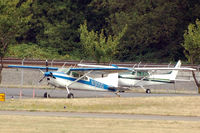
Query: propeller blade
[(42, 79), (41, 71), (47, 68), (51, 74)]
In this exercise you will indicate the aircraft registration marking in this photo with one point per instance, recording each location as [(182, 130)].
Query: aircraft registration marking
[(97, 84)]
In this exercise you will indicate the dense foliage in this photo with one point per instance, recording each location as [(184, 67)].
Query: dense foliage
[(14, 17), (97, 45), (155, 28), (192, 42)]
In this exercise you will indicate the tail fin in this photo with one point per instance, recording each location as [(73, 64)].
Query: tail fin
[(175, 72)]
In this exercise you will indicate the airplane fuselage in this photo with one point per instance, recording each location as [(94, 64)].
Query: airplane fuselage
[(62, 80), (130, 79)]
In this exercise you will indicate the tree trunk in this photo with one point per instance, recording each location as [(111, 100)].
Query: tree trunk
[(196, 82)]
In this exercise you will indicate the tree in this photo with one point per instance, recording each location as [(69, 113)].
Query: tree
[(155, 27), (99, 46), (192, 42), (55, 24), (192, 46), (13, 17), (32, 51)]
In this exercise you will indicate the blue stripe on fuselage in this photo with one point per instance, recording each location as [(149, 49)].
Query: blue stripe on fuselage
[(91, 82)]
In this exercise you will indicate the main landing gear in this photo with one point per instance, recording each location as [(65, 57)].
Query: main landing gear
[(148, 91), (46, 95), (69, 94)]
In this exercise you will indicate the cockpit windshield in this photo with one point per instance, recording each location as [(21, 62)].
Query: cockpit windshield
[(72, 73), (64, 70)]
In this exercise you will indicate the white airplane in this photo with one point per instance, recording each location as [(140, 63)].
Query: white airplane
[(140, 77), (77, 78)]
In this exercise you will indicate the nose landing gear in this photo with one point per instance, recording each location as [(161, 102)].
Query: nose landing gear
[(46, 95), (148, 91)]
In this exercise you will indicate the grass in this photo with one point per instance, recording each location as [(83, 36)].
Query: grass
[(183, 106), (24, 124)]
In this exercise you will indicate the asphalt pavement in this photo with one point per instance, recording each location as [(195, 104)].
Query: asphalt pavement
[(102, 115), (62, 93)]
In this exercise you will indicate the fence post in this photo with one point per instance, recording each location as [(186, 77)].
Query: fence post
[(22, 79)]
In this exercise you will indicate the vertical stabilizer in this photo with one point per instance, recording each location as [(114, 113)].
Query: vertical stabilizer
[(175, 72)]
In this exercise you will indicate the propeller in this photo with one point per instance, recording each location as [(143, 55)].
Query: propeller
[(51, 75), (46, 74), (42, 79)]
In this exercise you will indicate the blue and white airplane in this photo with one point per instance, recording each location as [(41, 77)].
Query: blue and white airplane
[(77, 78)]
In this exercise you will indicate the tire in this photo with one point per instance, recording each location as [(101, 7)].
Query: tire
[(148, 91), (70, 95), (46, 95)]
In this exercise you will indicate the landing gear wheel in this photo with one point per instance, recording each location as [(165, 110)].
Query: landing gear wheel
[(46, 95), (148, 91), (70, 95)]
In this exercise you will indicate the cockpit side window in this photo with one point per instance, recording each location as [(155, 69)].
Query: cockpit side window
[(77, 75), (133, 73), (85, 78), (74, 74), (142, 73)]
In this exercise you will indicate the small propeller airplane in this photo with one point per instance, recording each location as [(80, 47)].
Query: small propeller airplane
[(77, 78), (145, 76)]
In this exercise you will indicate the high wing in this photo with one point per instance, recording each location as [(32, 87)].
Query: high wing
[(104, 68), (71, 69), (139, 68), (163, 68), (99, 71), (32, 67)]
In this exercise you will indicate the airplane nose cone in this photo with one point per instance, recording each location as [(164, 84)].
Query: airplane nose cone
[(47, 74)]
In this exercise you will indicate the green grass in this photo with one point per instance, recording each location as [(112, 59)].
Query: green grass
[(183, 106)]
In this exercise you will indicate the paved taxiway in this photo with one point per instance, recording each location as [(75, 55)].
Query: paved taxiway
[(102, 115), (61, 93)]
